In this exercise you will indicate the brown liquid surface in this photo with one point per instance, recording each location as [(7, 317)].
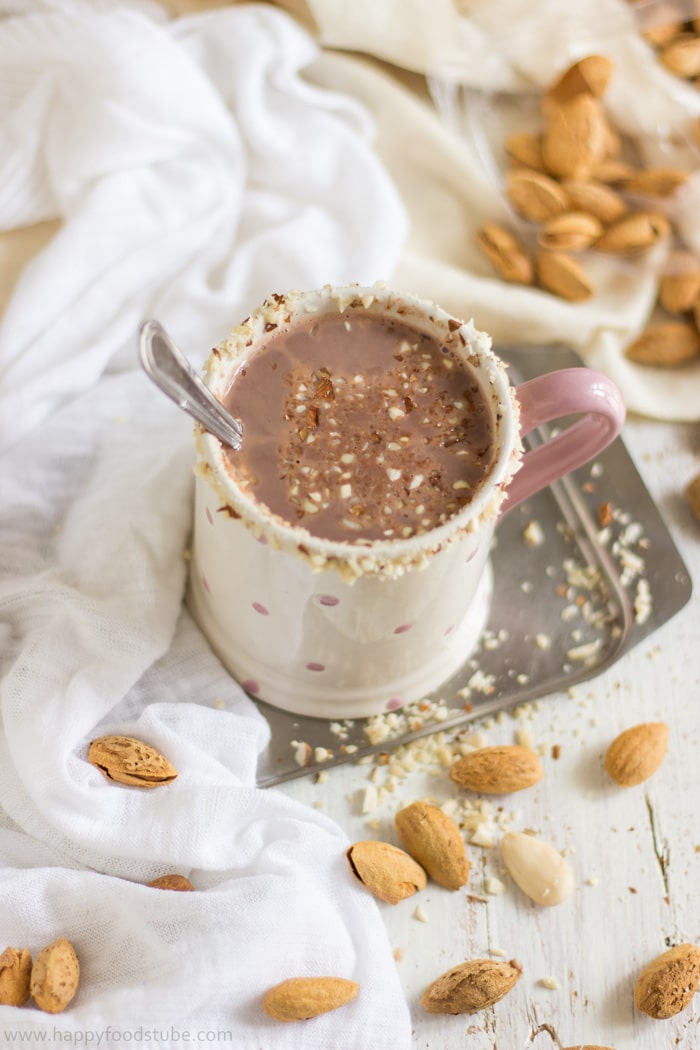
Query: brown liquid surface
[(359, 428)]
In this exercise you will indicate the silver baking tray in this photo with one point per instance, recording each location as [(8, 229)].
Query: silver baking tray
[(582, 572)]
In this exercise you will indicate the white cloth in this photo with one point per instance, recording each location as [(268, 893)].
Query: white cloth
[(194, 173), (487, 61)]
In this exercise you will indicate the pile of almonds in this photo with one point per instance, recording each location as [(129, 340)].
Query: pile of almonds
[(571, 182), (674, 37), (51, 980)]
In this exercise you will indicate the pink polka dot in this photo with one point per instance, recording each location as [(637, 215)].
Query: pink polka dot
[(209, 517), (261, 609), (450, 629), (205, 584), (402, 628), (394, 703), (262, 539), (315, 667), (472, 555), (251, 686), (328, 599)]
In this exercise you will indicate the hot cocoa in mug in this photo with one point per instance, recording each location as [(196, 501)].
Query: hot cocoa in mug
[(340, 559)]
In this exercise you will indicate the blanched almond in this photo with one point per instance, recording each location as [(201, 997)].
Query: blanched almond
[(435, 842), (497, 770), (537, 868), (471, 986), (300, 998), (637, 753), (386, 871)]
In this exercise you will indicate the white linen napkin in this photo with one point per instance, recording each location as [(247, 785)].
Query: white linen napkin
[(194, 173)]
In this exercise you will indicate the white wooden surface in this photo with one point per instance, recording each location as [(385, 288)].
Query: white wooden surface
[(635, 852)]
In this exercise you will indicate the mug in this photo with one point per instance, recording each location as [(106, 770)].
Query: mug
[(342, 629)]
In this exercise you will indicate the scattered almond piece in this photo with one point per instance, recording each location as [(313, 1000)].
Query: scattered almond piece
[(171, 882)]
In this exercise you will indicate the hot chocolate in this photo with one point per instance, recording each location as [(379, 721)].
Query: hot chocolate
[(358, 428)]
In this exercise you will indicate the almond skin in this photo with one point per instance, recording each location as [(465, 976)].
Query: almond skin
[(586, 1046), (535, 196), (679, 287), (590, 75), (497, 770), (633, 234), (667, 985), (595, 198), (435, 842), (681, 56), (171, 882), (525, 148), (470, 987), (668, 344), (15, 974), (655, 182), (299, 998), (125, 760), (572, 231), (55, 976), (692, 495), (575, 140), (506, 254), (637, 753), (386, 871), (558, 273)]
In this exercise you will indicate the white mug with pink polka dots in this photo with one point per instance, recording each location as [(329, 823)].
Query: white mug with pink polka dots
[(353, 627)]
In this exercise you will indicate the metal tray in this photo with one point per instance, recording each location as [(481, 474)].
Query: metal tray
[(582, 572)]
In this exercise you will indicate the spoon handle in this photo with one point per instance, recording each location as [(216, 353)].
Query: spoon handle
[(172, 373)]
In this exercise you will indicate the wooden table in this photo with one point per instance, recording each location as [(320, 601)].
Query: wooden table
[(635, 852)]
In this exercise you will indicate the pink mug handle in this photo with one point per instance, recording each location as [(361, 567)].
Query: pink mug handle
[(556, 394)]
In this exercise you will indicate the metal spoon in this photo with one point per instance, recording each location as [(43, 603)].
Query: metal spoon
[(172, 373)]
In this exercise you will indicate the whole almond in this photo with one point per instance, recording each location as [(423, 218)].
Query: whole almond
[(587, 1046), (679, 287), (661, 23), (471, 986), (299, 998), (15, 973), (667, 344), (129, 761), (386, 871), (525, 148), (535, 196), (655, 182), (435, 842), (497, 770), (614, 171), (55, 976), (692, 495), (595, 198), (589, 75), (573, 231), (637, 753), (558, 273), (575, 140), (634, 233), (681, 56), (667, 985), (537, 868), (506, 254), (171, 882)]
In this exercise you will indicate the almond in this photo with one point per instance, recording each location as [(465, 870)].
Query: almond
[(681, 56), (655, 182), (506, 254), (563, 276), (679, 287), (634, 233), (497, 770), (299, 998), (667, 985), (595, 198), (590, 75), (692, 495), (525, 148), (435, 842), (537, 868), (668, 344), (661, 24), (15, 973), (128, 761), (614, 171), (576, 138), (55, 976), (535, 196), (574, 231), (386, 871), (637, 753), (471, 986), (171, 882), (587, 1046)]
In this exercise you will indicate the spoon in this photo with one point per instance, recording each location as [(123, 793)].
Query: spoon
[(172, 373)]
